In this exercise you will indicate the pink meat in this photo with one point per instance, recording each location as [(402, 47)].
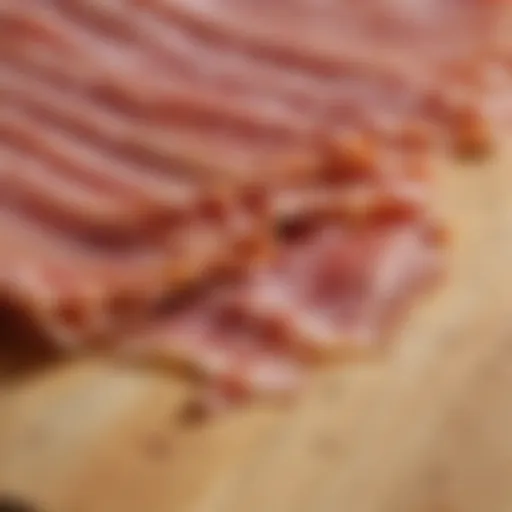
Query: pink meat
[(199, 181), (332, 291)]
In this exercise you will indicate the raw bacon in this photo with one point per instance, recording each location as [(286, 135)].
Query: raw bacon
[(241, 186)]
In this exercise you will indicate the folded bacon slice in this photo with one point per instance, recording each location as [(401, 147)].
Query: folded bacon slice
[(328, 291)]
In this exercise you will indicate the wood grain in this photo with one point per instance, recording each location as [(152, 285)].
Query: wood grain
[(424, 428)]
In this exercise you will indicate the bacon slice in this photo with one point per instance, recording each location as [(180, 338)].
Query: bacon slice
[(331, 292)]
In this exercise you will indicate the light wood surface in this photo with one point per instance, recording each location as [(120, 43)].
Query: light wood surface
[(427, 427)]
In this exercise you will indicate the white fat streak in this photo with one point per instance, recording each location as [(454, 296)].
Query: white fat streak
[(393, 270)]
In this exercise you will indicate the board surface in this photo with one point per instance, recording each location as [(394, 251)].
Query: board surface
[(424, 427)]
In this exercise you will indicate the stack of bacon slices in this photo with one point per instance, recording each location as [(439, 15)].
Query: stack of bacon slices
[(239, 185)]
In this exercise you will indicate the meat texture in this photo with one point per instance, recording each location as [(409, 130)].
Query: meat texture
[(242, 186)]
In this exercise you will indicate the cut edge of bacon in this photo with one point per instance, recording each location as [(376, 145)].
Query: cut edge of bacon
[(258, 370)]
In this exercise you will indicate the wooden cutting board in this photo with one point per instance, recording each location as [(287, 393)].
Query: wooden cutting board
[(426, 427)]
